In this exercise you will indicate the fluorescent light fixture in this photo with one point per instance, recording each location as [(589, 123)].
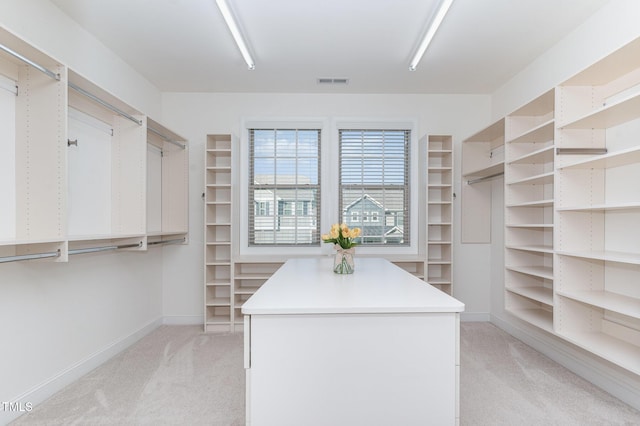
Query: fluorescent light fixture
[(437, 20), (235, 32)]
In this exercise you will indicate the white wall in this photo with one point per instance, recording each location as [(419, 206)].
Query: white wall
[(613, 26), (45, 27), (196, 115), (610, 28), (59, 320)]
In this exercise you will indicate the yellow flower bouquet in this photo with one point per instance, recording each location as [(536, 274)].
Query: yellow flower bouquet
[(343, 239)]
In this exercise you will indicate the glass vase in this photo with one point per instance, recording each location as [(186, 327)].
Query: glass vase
[(343, 261)]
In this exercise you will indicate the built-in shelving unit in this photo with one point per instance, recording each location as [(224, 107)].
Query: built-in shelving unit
[(440, 212), (572, 207), (482, 161), (598, 209), (33, 166), (218, 210), (75, 175), (529, 201), (108, 144), (248, 276)]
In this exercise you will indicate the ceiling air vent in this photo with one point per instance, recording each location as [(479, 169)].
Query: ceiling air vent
[(333, 81)]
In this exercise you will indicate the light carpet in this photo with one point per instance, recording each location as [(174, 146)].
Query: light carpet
[(179, 375)]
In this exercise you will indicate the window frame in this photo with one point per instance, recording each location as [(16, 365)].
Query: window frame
[(329, 214), (287, 226), (417, 204), (241, 192)]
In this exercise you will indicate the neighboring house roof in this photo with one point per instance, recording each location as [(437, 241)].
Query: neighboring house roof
[(391, 203), (362, 199)]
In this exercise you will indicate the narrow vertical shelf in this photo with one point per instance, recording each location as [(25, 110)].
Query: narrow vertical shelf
[(440, 212), (529, 195), (218, 286)]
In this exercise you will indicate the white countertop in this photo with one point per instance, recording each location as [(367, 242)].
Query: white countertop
[(309, 286)]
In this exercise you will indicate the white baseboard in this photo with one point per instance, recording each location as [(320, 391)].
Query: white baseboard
[(183, 320), (475, 317), (601, 373), (46, 389)]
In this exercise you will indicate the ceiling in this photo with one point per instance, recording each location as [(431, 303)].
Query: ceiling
[(184, 45)]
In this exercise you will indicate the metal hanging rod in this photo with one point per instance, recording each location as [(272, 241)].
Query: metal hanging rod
[(29, 256), (37, 66), (471, 182), (581, 151), (105, 104), (157, 132), (174, 241), (105, 248)]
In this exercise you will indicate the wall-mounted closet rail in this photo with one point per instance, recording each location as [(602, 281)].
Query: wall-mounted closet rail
[(29, 256), (28, 61), (174, 241), (104, 103), (57, 253), (581, 151), (104, 248), (157, 132), (482, 179)]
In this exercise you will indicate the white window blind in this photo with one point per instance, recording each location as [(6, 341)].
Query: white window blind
[(374, 188), (284, 187)]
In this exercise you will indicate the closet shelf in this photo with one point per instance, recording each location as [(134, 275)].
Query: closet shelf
[(609, 256), (533, 248), (619, 352), (541, 179), (601, 207), (29, 242), (539, 294), (253, 276), (538, 317), (219, 301), (531, 225), (610, 115), (610, 160), (103, 237), (545, 272), (544, 155), (485, 171), (539, 134), (439, 262), (624, 305), (537, 203), (219, 282), (219, 262)]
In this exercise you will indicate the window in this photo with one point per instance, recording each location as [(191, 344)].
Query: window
[(374, 182), (284, 172), (262, 208)]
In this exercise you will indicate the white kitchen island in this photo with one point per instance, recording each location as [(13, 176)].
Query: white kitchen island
[(378, 347)]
